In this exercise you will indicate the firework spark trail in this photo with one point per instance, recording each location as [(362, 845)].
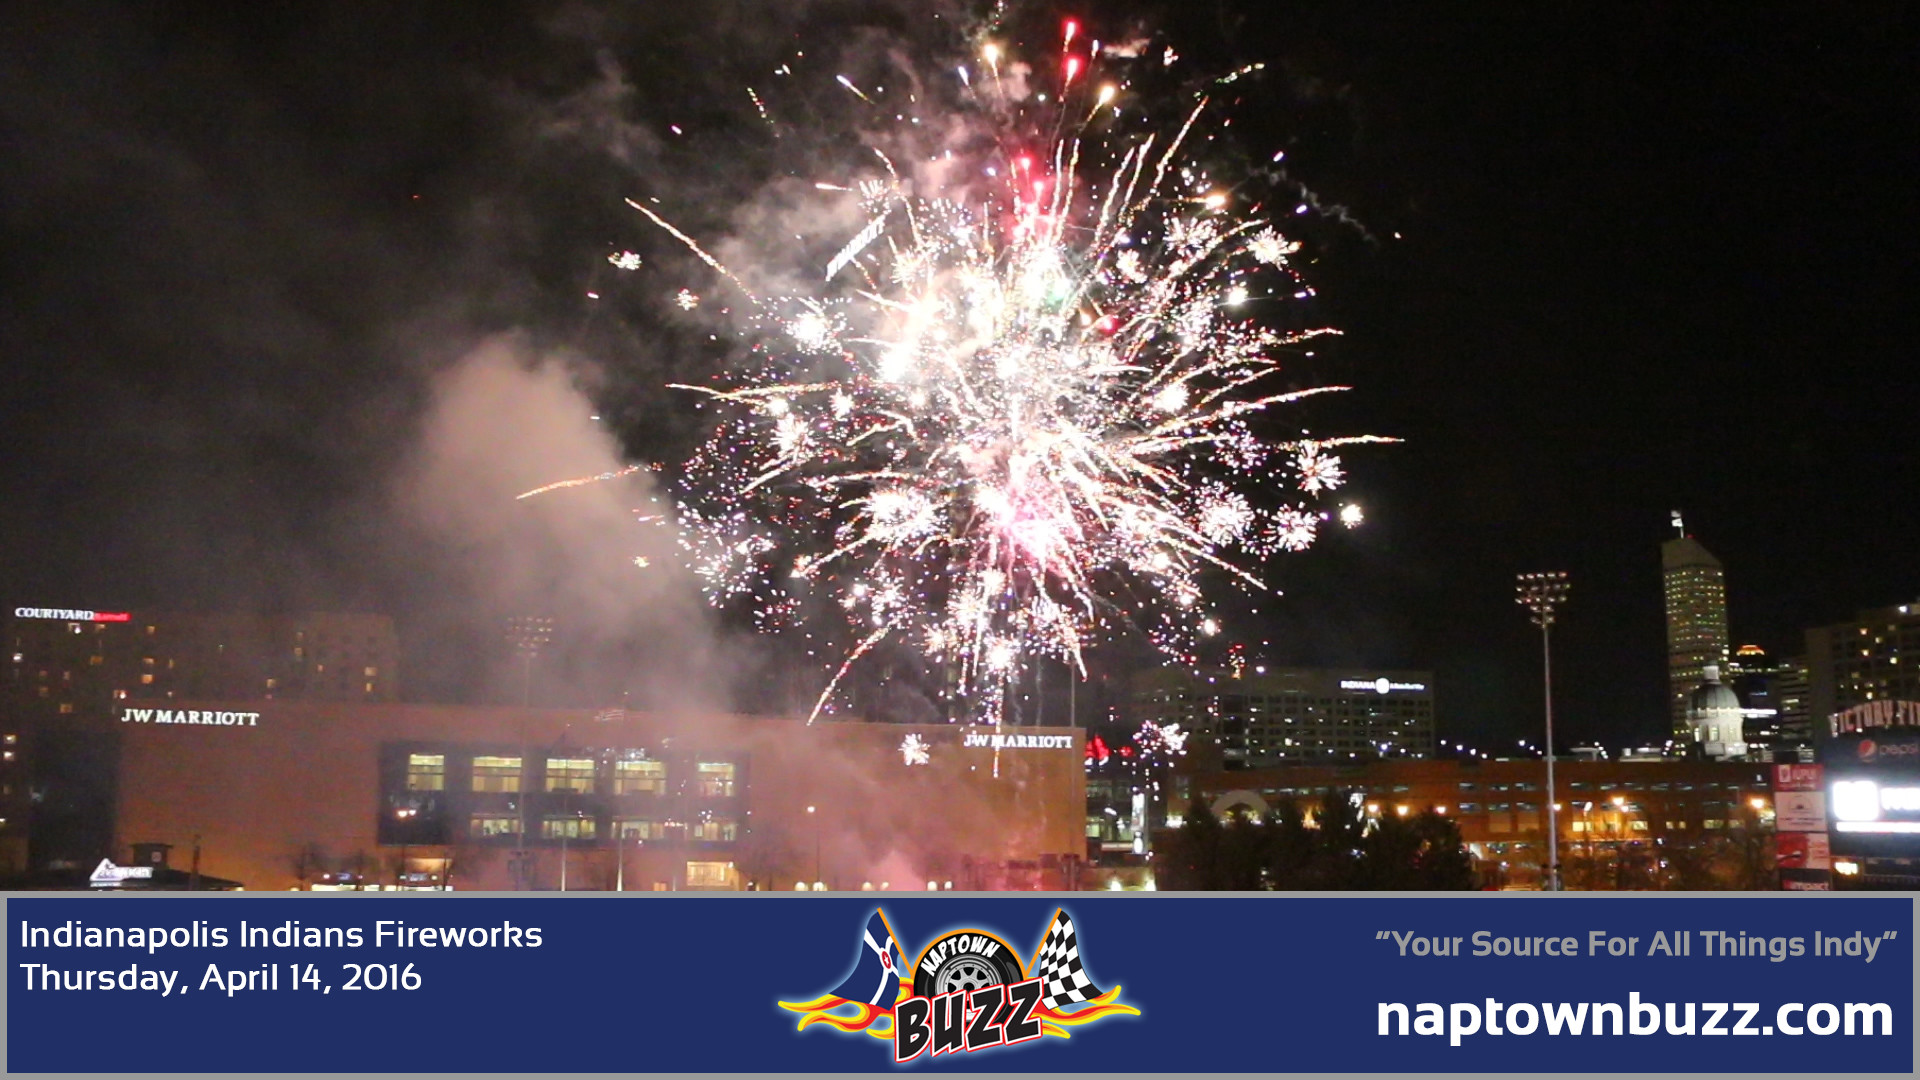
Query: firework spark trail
[(580, 481), (693, 246), (1030, 427)]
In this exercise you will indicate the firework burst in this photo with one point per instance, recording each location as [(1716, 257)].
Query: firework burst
[(1024, 414)]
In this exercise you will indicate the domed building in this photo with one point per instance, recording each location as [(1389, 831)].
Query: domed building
[(1715, 717)]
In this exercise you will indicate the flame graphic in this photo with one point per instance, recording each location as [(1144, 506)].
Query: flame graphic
[(865, 1017), (1108, 1004)]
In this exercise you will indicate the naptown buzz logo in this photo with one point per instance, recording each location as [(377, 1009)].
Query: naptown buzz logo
[(968, 991)]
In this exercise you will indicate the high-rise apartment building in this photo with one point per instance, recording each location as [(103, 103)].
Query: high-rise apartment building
[(66, 672), (77, 660), (1696, 621), (1276, 716), (1876, 657)]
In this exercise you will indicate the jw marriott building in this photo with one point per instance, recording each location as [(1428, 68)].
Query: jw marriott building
[(1696, 622)]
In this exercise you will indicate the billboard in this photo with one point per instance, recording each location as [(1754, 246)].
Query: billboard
[(1802, 851), (1800, 811)]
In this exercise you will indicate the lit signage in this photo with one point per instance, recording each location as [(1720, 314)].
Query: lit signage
[(1797, 777), (109, 876), (71, 614), (210, 717), (1889, 713), (1381, 685), (1800, 811), (1883, 749), (1856, 800), (1859, 804), (1021, 742)]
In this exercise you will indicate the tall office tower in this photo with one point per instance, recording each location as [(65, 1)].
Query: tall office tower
[(1696, 620), (1794, 688)]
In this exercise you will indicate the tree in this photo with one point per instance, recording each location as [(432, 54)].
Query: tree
[(1339, 849), (1191, 860), (1421, 853), (306, 861)]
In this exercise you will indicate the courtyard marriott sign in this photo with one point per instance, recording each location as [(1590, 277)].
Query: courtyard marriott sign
[(70, 614), (190, 716)]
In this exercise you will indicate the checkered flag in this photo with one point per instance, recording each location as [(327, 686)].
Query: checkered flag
[(1063, 980)]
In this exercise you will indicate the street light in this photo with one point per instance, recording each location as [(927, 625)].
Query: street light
[(1540, 594), (404, 814)]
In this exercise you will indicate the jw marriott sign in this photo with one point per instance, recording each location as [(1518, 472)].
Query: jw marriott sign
[(190, 716)]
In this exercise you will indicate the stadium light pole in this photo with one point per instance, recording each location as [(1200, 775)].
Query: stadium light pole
[(1541, 594), (529, 635), (816, 843)]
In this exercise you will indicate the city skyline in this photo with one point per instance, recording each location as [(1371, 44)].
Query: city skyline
[(1588, 268)]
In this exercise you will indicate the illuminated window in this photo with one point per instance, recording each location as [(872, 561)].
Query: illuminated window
[(1713, 823), (571, 828), (484, 825), (496, 774), (715, 778), (369, 688), (426, 772), (715, 829), (95, 660), (639, 829), (637, 777), (66, 707), (708, 875), (570, 774), (372, 671)]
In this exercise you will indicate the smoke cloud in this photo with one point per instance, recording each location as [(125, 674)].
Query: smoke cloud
[(630, 626)]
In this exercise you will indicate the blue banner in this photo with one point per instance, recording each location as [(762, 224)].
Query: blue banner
[(1076, 982)]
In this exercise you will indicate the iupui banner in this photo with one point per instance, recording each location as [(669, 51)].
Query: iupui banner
[(902, 982)]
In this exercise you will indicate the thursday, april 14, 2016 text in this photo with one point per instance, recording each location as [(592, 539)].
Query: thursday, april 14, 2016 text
[(65, 971)]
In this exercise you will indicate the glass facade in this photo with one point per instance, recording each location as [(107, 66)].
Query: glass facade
[(436, 794)]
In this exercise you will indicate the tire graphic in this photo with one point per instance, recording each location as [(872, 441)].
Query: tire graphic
[(965, 960)]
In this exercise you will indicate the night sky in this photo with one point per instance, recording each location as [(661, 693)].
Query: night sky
[(1592, 264)]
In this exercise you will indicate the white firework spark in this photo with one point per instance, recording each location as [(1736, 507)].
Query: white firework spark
[(915, 750)]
